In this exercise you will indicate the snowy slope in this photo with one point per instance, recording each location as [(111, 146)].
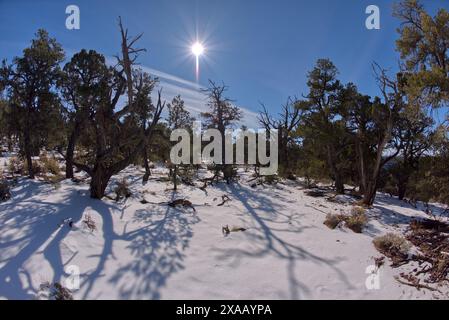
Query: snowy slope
[(152, 251)]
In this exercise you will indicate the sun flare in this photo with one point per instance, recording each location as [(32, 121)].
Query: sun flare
[(197, 49)]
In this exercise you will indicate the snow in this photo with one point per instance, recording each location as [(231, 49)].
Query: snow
[(152, 251)]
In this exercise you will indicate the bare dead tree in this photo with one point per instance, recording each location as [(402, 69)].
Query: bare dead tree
[(128, 58), (286, 124)]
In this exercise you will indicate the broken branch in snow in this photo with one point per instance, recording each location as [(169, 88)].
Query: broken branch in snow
[(225, 199), (173, 204), (416, 284), (226, 230), (90, 223), (181, 202)]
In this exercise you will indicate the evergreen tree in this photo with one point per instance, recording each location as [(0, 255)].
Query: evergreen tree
[(424, 49), (322, 121), (82, 85), (113, 140), (30, 83), (178, 118)]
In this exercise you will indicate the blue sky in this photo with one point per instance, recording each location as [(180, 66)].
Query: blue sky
[(262, 49)]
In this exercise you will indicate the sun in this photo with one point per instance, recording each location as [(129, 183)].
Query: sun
[(197, 49)]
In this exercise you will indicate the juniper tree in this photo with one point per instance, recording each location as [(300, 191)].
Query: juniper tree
[(143, 110), (424, 48), (178, 118), (83, 82), (112, 138), (414, 137), (385, 115), (322, 122), (30, 84)]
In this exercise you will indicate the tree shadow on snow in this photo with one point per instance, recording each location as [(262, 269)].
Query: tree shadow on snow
[(261, 209), (156, 249), (31, 224), (38, 223)]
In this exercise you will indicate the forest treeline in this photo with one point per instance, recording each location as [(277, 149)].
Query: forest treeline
[(101, 118)]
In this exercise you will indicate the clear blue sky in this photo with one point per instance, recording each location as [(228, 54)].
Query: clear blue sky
[(262, 49)]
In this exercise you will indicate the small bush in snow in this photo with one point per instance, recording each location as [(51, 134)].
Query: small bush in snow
[(50, 165), (5, 193), (357, 220), (37, 168), (333, 220), (271, 179), (54, 291), (15, 165), (393, 246), (358, 211), (122, 190), (90, 223)]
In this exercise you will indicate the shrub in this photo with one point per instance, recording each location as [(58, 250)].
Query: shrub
[(333, 220), (90, 223), (5, 193), (15, 165), (229, 172), (54, 291), (357, 220), (392, 245), (187, 174), (122, 190), (50, 165), (271, 179)]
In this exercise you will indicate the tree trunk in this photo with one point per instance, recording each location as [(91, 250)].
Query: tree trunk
[(99, 182), (361, 166), (69, 155), (28, 153), (339, 185), (370, 193), (10, 142), (402, 188), (175, 178), (371, 189), (146, 164)]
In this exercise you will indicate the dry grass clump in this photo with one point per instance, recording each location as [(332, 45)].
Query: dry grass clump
[(333, 220), (393, 246), (15, 165), (356, 221), (50, 165)]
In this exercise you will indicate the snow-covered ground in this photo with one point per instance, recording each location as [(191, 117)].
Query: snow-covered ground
[(152, 251)]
